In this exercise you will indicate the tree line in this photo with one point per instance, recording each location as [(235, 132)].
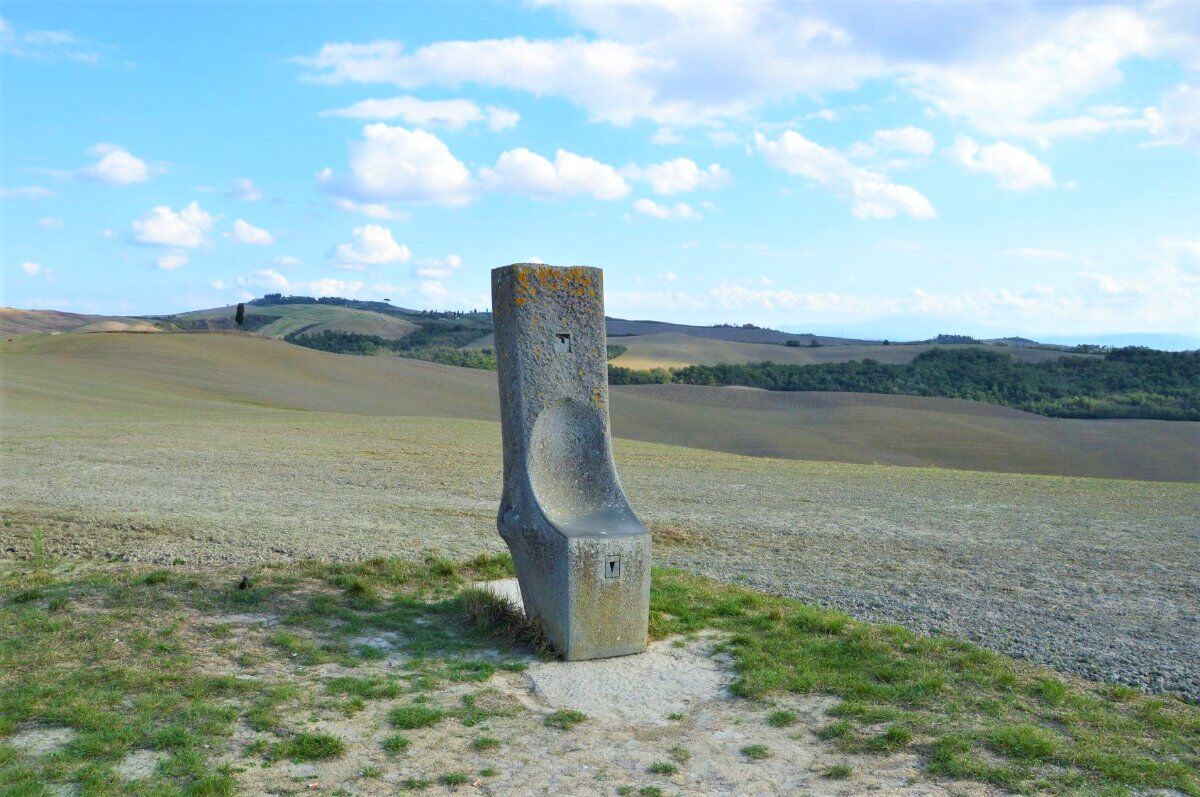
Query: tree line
[(1132, 382)]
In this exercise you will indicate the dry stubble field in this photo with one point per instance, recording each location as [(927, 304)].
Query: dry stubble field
[(1097, 577)]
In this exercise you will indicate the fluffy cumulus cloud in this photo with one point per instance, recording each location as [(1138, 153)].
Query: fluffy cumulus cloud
[(247, 233), (679, 175), (31, 268), (396, 164), (271, 280), (1014, 168), (520, 171), (373, 245), (165, 227), (172, 260), (438, 268), (452, 114), (287, 261), (1176, 119), (680, 210), (1006, 70), (374, 210), (871, 193), (243, 188), (910, 140), (115, 165)]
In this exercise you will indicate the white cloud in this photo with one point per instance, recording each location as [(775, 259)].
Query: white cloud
[(680, 175), (1001, 67), (333, 287), (437, 269), (247, 233), (243, 188), (172, 260), (452, 114), (665, 135), (520, 171), (51, 223), (1033, 66), (680, 210), (218, 285), (115, 166), (26, 192), (270, 279), (908, 139), (395, 164), (825, 115), (872, 194), (1176, 119), (45, 45), (1161, 298), (1034, 253), (164, 227), (31, 268), (287, 261), (1014, 168), (373, 246), (372, 210)]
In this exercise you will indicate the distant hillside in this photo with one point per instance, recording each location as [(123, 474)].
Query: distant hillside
[(277, 321), (188, 377), (618, 327), (676, 351), (19, 322)]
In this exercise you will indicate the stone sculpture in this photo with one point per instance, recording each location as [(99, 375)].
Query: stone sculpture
[(582, 556)]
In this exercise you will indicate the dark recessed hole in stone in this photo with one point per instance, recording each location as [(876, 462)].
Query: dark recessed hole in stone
[(612, 567), (562, 342)]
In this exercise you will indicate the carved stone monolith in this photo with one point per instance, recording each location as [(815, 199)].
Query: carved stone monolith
[(582, 556)]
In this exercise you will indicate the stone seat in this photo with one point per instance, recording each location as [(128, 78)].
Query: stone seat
[(582, 556)]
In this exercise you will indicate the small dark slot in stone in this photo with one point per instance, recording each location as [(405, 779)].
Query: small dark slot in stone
[(562, 342), (612, 567)]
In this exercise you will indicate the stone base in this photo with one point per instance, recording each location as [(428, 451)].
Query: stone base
[(592, 593)]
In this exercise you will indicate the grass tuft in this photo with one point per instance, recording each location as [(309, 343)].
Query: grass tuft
[(308, 747), (414, 716), (781, 719), (756, 752), (838, 772), (564, 719)]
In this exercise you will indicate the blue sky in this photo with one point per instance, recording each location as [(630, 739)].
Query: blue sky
[(985, 168)]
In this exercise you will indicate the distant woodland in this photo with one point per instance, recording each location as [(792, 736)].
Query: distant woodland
[(1124, 383)]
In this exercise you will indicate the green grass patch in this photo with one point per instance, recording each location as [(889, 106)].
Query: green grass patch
[(396, 744), (414, 716), (564, 719), (990, 718), (663, 768), (756, 752), (781, 719), (838, 772), (308, 747), (114, 652)]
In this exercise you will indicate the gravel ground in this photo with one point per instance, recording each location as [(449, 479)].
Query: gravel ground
[(1100, 578)]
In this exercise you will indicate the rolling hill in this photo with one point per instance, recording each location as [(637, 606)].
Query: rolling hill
[(187, 376), (674, 350), (290, 319), (18, 322)]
